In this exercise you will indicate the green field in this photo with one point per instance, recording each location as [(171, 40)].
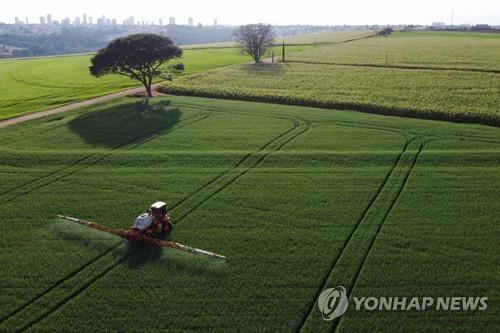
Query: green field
[(312, 38), (468, 51), (31, 85), (298, 199), (326, 37), (355, 76)]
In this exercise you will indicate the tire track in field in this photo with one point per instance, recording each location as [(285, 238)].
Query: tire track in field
[(258, 160), (378, 197), (88, 281), (243, 160), (406, 133), (296, 124), (191, 210), (124, 145), (379, 225), (56, 284), (81, 268), (91, 160), (363, 214), (428, 139), (86, 157), (86, 285), (87, 264)]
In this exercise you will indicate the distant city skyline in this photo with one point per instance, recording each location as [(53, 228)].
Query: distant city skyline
[(85, 19), (316, 12)]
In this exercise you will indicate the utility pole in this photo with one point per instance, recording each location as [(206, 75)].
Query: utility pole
[(283, 53)]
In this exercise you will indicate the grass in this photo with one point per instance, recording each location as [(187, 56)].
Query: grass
[(298, 199), (31, 85), (427, 77)]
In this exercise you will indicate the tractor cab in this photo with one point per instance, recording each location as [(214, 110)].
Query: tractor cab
[(158, 209), (154, 222)]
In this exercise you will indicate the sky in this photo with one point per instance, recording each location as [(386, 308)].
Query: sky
[(236, 12)]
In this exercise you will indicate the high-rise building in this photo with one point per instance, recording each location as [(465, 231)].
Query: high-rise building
[(171, 20), (439, 25), (84, 19), (114, 22), (16, 20), (191, 21), (129, 21), (27, 22), (42, 20), (160, 21), (101, 20), (66, 21), (49, 19), (215, 22), (77, 21), (91, 20)]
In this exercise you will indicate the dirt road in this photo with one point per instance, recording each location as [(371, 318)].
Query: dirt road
[(73, 106)]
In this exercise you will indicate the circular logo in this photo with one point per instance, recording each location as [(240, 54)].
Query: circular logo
[(332, 303)]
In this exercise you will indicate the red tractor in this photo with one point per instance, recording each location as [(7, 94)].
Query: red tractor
[(154, 222), (151, 227)]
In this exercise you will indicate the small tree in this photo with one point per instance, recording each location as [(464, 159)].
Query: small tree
[(385, 32), (255, 39), (136, 56)]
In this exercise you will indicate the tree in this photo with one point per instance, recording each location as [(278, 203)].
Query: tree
[(385, 32), (136, 56), (255, 39)]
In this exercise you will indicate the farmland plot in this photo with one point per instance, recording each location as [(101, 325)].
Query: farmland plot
[(466, 51), (424, 77), (31, 85), (298, 199)]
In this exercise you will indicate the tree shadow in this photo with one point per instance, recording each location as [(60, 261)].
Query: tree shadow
[(126, 123), (264, 68)]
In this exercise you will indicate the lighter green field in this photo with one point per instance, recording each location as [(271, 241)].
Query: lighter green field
[(298, 199), (31, 85), (325, 37), (470, 51), (411, 74), (313, 38)]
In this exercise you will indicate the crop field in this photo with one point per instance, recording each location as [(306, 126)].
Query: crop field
[(326, 37), (361, 81), (466, 51), (31, 85), (312, 38), (299, 199)]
